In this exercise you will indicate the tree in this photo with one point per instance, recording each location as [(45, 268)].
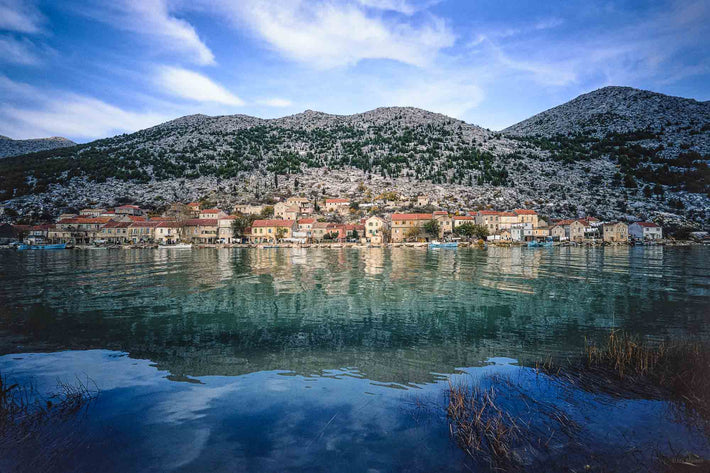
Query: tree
[(412, 233), (432, 227), (240, 225), (267, 212), (355, 235), (471, 230)]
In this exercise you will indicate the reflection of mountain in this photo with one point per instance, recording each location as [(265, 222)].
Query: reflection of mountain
[(395, 315)]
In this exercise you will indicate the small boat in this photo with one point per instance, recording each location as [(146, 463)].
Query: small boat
[(54, 246), (444, 244), (177, 246), (540, 244)]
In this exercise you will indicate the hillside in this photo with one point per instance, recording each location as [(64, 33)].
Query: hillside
[(411, 151), (10, 147)]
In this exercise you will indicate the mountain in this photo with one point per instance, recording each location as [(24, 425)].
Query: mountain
[(10, 147), (623, 167)]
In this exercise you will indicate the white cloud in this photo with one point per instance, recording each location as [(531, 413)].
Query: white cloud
[(17, 51), (275, 102), (328, 34), (66, 114), (152, 19), (193, 86), (20, 15)]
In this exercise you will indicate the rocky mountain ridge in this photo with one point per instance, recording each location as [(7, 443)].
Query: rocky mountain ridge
[(10, 147), (614, 172)]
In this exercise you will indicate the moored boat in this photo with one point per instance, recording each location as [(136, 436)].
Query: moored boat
[(48, 246), (177, 246), (444, 244)]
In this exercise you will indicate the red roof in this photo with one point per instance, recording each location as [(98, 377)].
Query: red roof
[(647, 224), (136, 218), (128, 207), (84, 220), (488, 212), (144, 224), (168, 224), (507, 214), (117, 224), (205, 222), (210, 211), (193, 204), (463, 217), (336, 201), (525, 212), (306, 221), (441, 212), (272, 223), (411, 216)]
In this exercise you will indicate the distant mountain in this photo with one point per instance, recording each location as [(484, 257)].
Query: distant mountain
[(561, 165), (10, 147)]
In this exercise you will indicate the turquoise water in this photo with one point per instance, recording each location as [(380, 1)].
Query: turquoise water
[(326, 359)]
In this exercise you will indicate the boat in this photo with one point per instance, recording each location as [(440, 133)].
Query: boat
[(540, 244), (443, 244), (47, 246), (177, 246)]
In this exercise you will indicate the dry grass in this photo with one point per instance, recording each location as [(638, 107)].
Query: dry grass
[(479, 426)]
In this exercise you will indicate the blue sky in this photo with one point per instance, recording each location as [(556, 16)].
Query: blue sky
[(95, 68)]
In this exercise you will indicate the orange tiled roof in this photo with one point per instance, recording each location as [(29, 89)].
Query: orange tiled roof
[(524, 212), (647, 224), (84, 220), (205, 222), (306, 221), (411, 216), (463, 217), (272, 223), (488, 212), (210, 211)]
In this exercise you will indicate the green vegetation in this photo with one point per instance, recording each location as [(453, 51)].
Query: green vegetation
[(471, 230)]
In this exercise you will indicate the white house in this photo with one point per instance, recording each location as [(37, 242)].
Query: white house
[(645, 231)]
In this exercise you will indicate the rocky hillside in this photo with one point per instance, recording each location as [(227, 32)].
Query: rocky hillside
[(610, 172), (10, 147)]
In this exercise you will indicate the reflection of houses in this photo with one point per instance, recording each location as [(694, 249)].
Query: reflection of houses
[(615, 232), (404, 225), (645, 231), (271, 230)]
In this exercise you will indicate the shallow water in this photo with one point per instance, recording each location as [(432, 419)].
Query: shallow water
[(327, 359)]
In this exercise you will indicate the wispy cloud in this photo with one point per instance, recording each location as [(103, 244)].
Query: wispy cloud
[(21, 16), (330, 34), (18, 51), (66, 114), (152, 19), (275, 102), (194, 86)]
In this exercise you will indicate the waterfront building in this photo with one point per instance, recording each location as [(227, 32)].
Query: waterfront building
[(645, 231), (615, 232), (403, 225), (489, 219), (271, 230)]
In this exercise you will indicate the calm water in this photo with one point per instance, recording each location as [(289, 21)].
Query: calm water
[(321, 359)]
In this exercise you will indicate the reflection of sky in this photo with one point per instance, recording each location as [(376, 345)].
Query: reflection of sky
[(277, 421)]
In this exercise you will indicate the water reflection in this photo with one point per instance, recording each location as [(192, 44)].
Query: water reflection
[(397, 315)]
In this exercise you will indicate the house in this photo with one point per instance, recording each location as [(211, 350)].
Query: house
[(200, 230), (376, 229), (645, 231), (37, 234), (168, 232), (423, 200), (527, 216), (404, 226), (114, 232), (212, 214), (286, 211), (446, 223), (354, 231), (558, 232), (142, 232), (225, 230), (91, 212), (615, 232), (271, 230), (305, 225), (129, 210), (459, 220), (78, 229), (249, 209), (304, 205), (506, 220), (194, 209), (341, 206), (489, 219), (319, 230)]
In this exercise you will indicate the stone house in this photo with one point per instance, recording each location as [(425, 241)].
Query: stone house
[(270, 230), (615, 232), (403, 223)]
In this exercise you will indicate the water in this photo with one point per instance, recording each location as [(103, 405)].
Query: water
[(323, 359)]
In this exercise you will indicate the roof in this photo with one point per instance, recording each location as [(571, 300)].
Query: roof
[(168, 224), (463, 217), (508, 214), (411, 216), (128, 207), (210, 211), (609, 224), (350, 226), (488, 212), (306, 221), (117, 224), (135, 218), (441, 212), (272, 223), (84, 220), (336, 201), (196, 222), (524, 212), (646, 224), (42, 226), (143, 224), (193, 204)]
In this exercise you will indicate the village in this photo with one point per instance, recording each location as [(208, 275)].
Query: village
[(299, 221)]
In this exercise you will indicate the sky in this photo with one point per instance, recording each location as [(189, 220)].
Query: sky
[(94, 68)]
